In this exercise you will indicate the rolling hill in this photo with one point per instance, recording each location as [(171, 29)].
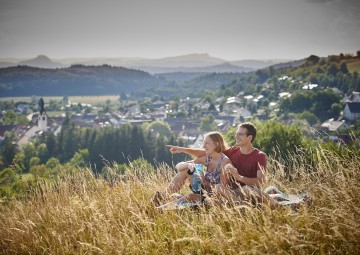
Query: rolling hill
[(74, 80)]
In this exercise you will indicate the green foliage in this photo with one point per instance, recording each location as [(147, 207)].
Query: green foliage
[(8, 149), (309, 117), (229, 136), (52, 163), (278, 140), (14, 184), (34, 161), (38, 170), (323, 104), (24, 156), (208, 124), (95, 147), (11, 117), (81, 158), (141, 167), (158, 128)]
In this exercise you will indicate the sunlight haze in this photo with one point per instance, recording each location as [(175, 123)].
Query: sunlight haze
[(230, 29)]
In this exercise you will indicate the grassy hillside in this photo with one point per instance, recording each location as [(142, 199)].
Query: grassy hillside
[(79, 214), (354, 66)]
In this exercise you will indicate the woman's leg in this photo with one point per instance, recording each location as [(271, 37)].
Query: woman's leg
[(175, 185), (192, 197), (178, 182)]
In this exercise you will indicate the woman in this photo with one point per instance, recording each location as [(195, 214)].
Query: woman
[(214, 161)]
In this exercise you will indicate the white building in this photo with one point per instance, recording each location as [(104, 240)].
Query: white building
[(333, 125), (352, 111), (43, 117)]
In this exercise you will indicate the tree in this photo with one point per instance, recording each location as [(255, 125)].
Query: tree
[(208, 123), (336, 108), (158, 127), (29, 151), (343, 68), (81, 158), (278, 140), (52, 163), (313, 59), (309, 117), (333, 69), (38, 170), (9, 117), (34, 161), (8, 149), (43, 152)]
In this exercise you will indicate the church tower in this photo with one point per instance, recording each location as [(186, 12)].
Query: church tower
[(43, 118)]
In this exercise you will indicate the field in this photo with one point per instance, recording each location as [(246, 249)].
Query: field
[(75, 99), (354, 66), (81, 214)]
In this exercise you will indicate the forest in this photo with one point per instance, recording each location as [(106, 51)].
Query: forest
[(75, 80)]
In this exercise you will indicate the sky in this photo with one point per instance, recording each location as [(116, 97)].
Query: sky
[(227, 29)]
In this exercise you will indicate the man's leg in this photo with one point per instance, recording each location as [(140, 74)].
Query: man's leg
[(256, 195), (225, 192)]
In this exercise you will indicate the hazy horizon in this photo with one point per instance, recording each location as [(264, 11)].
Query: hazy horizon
[(230, 29)]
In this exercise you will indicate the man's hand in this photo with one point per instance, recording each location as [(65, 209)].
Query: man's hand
[(231, 170), (174, 149)]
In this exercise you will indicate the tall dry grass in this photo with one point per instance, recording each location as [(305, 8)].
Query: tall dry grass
[(81, 214)]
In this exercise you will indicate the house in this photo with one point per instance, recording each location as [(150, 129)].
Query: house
[(224, 122), (354, 97), (198, 142), (309, 86), (352, 111), (333, 125), (231, 104), (84, 120), (243, 112), (284, 94), (23, 108), (272, 105)]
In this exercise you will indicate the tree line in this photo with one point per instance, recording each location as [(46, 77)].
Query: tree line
[(92, 147)]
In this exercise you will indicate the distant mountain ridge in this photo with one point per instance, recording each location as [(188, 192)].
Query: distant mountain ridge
[(184, 63), (220, 68), (41, 61)]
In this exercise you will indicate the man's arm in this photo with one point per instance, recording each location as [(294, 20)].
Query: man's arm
[(260, 177), (195, 152)]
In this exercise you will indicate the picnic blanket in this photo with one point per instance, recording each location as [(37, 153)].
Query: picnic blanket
[(175, 205), (283, 198)]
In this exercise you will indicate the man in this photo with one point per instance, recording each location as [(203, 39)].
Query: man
[(245, 175)]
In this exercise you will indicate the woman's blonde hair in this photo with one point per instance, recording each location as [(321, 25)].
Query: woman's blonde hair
[(216, 137)]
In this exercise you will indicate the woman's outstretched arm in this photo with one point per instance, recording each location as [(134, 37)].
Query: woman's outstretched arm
[(195, 152)]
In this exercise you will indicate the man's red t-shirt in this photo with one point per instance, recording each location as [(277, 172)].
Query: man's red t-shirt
[(247, 164)]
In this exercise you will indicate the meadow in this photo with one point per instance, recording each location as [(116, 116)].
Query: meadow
[(79, 213), (77, 99)]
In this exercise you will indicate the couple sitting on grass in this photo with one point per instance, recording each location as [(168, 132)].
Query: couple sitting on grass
[(232, 174)]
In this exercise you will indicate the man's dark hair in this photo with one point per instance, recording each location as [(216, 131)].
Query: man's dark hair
[(250, 129)]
